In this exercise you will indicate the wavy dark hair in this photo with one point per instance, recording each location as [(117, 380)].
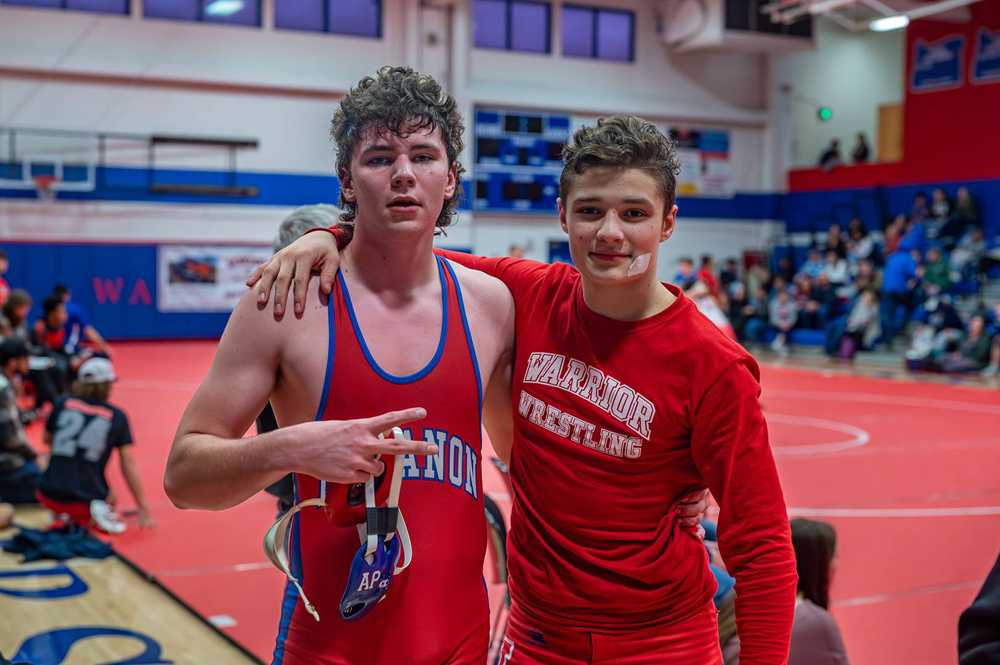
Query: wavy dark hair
[(815, 545), (400, 101), (622, 141)]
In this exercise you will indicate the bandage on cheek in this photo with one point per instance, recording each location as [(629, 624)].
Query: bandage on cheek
[(638, 265)]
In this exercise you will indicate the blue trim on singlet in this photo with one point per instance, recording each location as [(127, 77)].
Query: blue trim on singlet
[(392, 378), (468, 337), (325, 395), (291, 593), (330, 347)]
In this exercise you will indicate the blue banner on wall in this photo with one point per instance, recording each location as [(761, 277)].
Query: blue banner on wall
[(986, 62), (938, 65), (116, 285)]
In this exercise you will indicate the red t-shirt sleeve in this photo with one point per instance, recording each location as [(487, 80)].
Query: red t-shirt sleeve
[(731, 448), (515, 273)]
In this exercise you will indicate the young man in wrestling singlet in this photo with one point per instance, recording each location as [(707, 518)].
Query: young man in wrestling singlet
[(624, 398), (403, 328)]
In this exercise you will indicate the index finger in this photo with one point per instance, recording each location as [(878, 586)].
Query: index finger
[(378, 424), (402, 447)]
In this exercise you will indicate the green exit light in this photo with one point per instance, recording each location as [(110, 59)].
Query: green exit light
[(824, 113)]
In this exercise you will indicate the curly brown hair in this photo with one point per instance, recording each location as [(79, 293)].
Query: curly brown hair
[(401, 101), (623, 141)]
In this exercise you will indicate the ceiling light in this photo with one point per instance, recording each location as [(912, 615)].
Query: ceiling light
[(223, 7), (888, 23)]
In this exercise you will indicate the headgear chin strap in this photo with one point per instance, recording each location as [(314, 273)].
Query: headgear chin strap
[(376, 560)]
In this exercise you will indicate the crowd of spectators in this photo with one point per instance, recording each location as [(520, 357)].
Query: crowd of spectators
[(898, 288)]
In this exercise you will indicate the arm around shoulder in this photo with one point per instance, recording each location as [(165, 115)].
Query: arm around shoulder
[(492, 309)]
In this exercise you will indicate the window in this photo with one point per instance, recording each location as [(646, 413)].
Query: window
[(231, 12), (361, 18), (512, 25), (605, 34), (96, 6)]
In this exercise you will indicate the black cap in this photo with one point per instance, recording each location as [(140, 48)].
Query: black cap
[(12, 347)]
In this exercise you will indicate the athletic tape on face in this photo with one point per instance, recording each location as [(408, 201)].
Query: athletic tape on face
[(638, 265), (375, 562)]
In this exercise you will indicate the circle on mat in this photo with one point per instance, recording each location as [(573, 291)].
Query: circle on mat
[(857, 436)]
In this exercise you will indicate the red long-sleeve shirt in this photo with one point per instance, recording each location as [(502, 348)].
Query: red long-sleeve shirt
[(613, 422)]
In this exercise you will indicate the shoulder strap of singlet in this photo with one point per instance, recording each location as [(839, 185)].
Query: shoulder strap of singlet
[(465, 327)]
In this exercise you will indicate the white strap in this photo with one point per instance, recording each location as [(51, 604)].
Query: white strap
[(406, 556), (392, 501), (276, 548)]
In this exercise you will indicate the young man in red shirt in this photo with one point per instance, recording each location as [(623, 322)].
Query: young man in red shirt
[(624, 399)]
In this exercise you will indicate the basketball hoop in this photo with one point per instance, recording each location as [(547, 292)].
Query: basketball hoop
[(45, 187)]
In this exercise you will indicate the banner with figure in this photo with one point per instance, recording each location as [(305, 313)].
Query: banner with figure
[(204, 278)]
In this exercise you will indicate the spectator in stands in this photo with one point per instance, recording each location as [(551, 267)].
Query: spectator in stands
[(898, 279), (736, 308), (824, 300), (920, 211), (780, 284), (861, 152), (756, 316), (894, 233), (706, 275), (758, 277), (969, 252), (14, 322), (859, 330), (19, 464), (860, 244), (965, 210), (79, 331), (813, 265), (807, 317), (936, 270), (866, 278), (515, 251), (730, 274), (785, 271), (835, 269), (782, 316), (836, 241), (831, 156), (74, 486), (4, 286), (685, 277), (974, 351), (940, 205), (938, 330), (915, 237), (816, 639)]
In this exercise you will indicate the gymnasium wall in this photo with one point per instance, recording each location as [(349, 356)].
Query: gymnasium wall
[(852, 73), (93, 73), (951, 75), (952, 106)]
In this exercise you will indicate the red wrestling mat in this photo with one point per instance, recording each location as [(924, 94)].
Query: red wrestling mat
[(904, 471)]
